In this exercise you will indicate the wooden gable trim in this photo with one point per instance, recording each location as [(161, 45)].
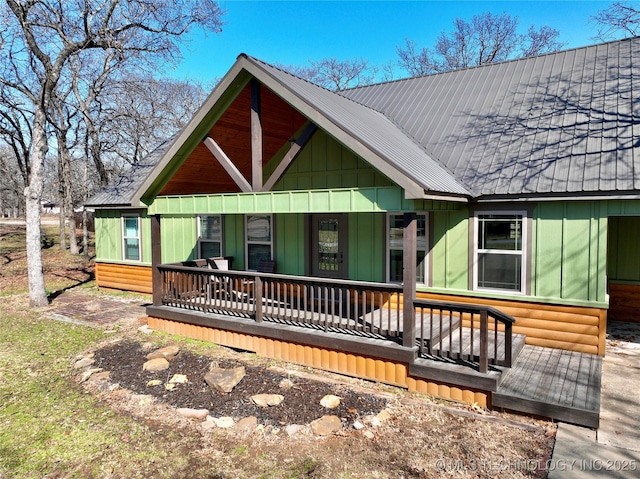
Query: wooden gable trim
[(291, 155), (227, 164)]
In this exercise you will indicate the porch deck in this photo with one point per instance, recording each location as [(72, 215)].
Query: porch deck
[(466, 346), (563, 385)]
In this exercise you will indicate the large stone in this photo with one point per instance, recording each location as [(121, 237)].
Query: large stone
[(84, 362), (157, 364), (247, 424), (326, 425), (330, 401), (193, 413), (224, 422), (179, 379), (168, 353), (293, 429), (224, 380), (266, 400)]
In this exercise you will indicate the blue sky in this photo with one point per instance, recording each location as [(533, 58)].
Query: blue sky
[(293, 32)]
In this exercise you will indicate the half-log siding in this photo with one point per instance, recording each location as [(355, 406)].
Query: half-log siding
[(124, 276), (572, 328)]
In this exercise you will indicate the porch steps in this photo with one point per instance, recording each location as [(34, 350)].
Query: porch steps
[(563, 385), (444, 346), (465, 372)]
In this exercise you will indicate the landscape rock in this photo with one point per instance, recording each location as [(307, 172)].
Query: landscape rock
[(208, 424), (84, 362), (193, 413), (156, 364), (373, 421), (368, 434), (179, 379), (154, 382), (88, 373), (145, 329), (224, 380), (247, 424), (330, 401), (286, 384), (266, 400), (358, 425), (224, 422), (383, 415), (326, 425), (293, 429), (168, 353)]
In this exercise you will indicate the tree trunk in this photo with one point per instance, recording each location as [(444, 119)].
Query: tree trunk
[(85, 227), (33, 197), (61, 222)]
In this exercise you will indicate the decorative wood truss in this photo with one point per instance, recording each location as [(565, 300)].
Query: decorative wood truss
[(231, 158)]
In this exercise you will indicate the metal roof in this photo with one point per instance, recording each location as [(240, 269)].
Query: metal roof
[(565, 122), (556, 124), (372, 130), (122, 192)]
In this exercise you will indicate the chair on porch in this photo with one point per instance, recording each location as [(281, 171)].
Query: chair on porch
[(218, 288)]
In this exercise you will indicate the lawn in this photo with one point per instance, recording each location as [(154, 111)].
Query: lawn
[(52, 426)]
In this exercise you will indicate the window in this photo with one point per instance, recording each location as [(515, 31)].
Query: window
[(499, 262), (210, 236), (395, 246), (259, 229), (131, 238)]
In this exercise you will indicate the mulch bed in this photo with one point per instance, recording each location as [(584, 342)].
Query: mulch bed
[(301, 405)]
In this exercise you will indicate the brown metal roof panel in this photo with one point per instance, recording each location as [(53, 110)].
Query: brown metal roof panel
[(374, 130), (122, 191)]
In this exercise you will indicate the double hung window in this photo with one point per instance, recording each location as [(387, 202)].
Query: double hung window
[(499, 261), (210, 236), (131, 238), (259, 234)]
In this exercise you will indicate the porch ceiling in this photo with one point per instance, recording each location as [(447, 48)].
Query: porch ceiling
[(201, 173)]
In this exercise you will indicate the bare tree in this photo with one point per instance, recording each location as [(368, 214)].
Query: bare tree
[(39, 38), (619, 18), (334, 74), (487, 38)]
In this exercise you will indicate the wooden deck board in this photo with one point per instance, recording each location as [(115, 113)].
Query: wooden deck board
[(555, 383)]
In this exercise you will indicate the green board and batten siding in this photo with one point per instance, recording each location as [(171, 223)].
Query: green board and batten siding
[(108, 225)]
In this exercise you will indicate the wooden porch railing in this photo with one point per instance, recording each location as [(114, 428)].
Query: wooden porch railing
[(465, 332), (461, 332)]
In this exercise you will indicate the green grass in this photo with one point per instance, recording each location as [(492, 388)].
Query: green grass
[(49, 426)]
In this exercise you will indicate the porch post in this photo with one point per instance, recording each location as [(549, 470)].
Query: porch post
[(256, 137), (409, 258), (156, 260)]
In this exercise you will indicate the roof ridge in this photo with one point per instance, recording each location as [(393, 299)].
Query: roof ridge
[(338, 93), (488, 65)]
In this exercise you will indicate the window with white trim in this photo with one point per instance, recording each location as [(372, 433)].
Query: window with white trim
[(259, 240), (395, 248), (499, 257), (131, 238), (209, 236)]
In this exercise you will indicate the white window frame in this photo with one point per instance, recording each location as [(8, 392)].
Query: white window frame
[(523, 252), (388, 246), (247, 242), (209, 240), (123, 231)]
